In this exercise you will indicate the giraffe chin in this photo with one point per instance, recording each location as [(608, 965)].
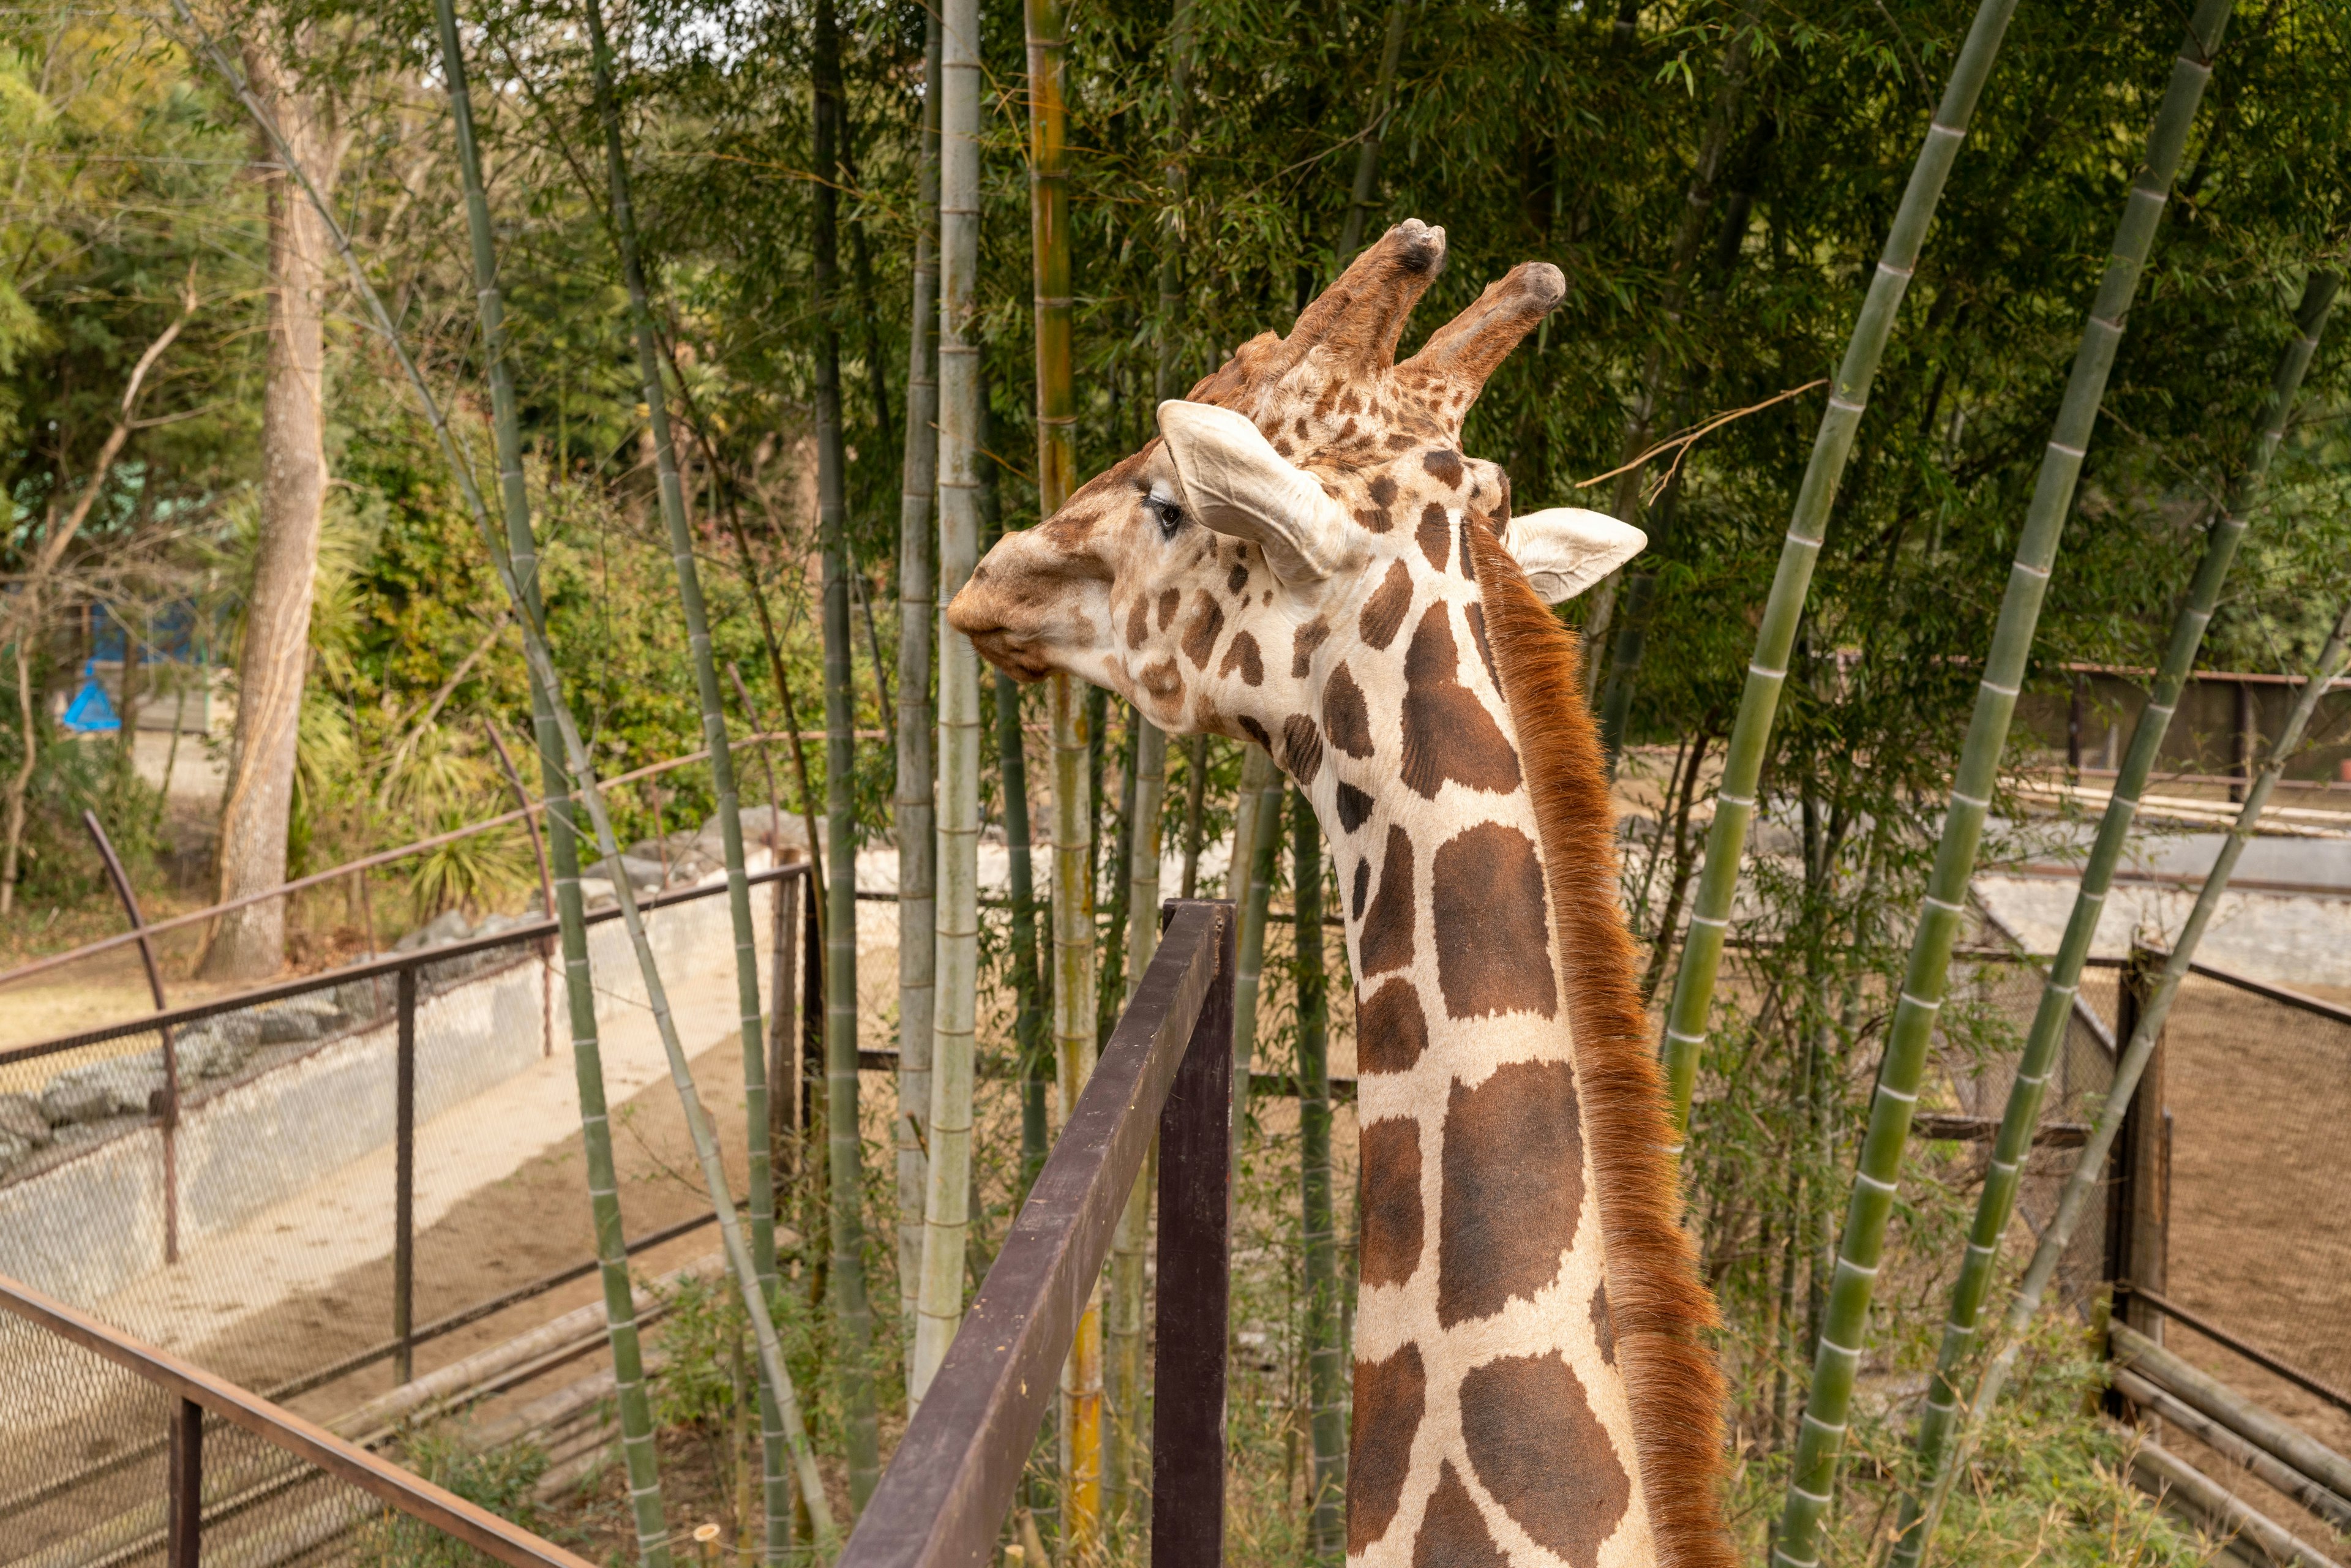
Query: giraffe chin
[(996, 645)]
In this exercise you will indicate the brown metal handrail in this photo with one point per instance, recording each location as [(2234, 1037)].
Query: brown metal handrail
[(199, 1391), (369, 863), (328, 979), (1168, 1066)]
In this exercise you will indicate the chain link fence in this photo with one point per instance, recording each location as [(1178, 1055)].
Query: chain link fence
[(361, 1195)]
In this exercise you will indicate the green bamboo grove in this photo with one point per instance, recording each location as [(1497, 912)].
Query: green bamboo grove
[(1767, 670), (1860, 1249), (762, 326), (2035, 1064)]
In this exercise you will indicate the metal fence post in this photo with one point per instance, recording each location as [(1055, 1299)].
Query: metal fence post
[(185, 1502), (783, 1092), (404, 1200), (167, 1117), (1187, 1425), (2137, 1190), (811, 1009)]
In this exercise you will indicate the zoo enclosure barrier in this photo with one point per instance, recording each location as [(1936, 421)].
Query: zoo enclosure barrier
[(224, 1454), (2227, 1220), (177, 1128), (1167, 1068)]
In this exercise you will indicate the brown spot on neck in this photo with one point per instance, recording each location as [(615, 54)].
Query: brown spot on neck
[(1391, 1031), (1387, 933), (1302, 646), (1346, 718), (1435, 535), (1447, 732), (1453, 1533), (1513, 1183), (1388, 1201), (1384, 611), (1492, 924), (1539, 1451), (1391, 1396)]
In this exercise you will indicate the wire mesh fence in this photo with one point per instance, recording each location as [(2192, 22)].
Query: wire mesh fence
[(361, 1194), (1987, 1012), (109, 1461)]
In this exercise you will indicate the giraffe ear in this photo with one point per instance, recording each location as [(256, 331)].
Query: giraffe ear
[(1236, 484), (1566, 549)]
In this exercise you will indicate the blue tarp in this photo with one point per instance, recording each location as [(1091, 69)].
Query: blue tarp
[(91, 712)]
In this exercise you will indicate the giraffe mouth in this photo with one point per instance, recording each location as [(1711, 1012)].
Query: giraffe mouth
[(999, 646)]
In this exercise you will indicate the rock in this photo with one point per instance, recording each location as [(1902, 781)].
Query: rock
[(92, 1092), (282, 1025), (21, 1118), (765, 825), (209, 1050), (449, 925), (689, 869), (641, 872), (596, 890), (14, 1149)]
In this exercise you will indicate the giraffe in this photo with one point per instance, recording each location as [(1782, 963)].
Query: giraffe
[(1304, 558)]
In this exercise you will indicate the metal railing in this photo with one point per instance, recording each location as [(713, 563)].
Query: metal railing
[(191, 1394), (1168, 1069), (364, 993)]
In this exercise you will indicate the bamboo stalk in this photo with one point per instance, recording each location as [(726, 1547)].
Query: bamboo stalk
[(1696, 197), (1845, 1325), (946, 1215), (912, 814), (1325, 1371), (1367, 156), (1028, 982), (637, 1446), (1073, 900), (1693, 981), (1257, 832), (1132, 1239), (844, 1143), (541, 666), (1165, 382), (1997, 1201), (2090, 1169), (1110, 981), (1195, 807), (776, 1486)]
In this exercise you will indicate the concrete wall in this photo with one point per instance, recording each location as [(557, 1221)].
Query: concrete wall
[(83, 1229)]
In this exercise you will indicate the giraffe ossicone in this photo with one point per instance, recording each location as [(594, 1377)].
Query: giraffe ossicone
[(1305, 559)]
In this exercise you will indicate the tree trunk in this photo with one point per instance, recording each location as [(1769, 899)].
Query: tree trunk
[(250, 943), (852, 1311)]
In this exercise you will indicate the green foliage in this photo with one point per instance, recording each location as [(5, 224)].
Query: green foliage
[(500, 1479)]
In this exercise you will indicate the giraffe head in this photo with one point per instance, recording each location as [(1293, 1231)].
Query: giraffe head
[(1288, 509)]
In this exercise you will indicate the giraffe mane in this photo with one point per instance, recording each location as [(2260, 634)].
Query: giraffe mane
[(1663, 1310)]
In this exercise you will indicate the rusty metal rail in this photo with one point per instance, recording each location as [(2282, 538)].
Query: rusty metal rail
[(198, 1392), (1168, 1066)]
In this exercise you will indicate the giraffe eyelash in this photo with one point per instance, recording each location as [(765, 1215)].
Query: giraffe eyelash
[(1169, 516)]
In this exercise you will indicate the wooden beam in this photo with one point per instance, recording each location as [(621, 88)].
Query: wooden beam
[(2233, 1410)]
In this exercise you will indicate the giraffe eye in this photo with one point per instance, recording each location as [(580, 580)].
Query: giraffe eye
[(1167, 514)]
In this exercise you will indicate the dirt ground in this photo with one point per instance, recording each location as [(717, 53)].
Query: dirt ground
[(2260, 1237)]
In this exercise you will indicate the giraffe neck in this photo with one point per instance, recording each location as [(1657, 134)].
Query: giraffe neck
[(1492, 1423)]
